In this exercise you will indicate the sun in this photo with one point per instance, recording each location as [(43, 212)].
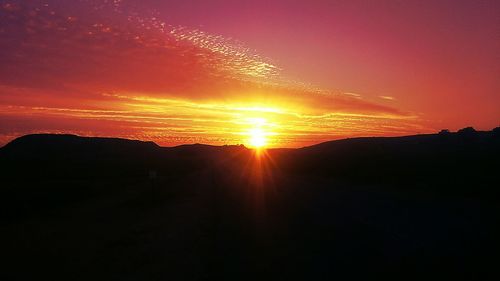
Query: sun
[(257, 138), (259, 130)]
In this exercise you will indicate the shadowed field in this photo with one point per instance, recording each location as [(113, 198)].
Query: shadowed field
[(91, 208)]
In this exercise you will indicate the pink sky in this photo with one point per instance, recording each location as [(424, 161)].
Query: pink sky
[(174, 71), (440, 58)]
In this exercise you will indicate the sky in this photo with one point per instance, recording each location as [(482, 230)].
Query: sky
[(289, 73)]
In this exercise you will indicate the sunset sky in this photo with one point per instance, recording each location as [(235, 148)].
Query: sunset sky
[(294, 73)]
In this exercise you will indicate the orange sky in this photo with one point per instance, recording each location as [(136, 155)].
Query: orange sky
[(99, 69)]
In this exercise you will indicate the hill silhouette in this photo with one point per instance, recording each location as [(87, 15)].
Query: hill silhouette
[(450, 159), (406, 207)]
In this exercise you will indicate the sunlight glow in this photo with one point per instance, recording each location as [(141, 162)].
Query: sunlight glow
[(257, 138), (257, 135)]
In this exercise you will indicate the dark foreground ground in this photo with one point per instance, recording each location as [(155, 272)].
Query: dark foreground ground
[(93, 209)]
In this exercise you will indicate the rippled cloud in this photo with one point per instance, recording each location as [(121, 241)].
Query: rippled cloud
[(108, 68)]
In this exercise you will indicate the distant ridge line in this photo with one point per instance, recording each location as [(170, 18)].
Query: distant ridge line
[(60, 137)]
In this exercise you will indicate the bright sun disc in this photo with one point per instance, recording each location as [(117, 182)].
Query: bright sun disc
[(257, 138)]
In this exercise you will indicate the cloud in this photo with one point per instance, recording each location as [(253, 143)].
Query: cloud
[(77, 62), (176, 121), (48, 48), (387, 97), (354, 95)]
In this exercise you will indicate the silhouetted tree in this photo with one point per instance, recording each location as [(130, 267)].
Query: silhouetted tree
[(467, 131)]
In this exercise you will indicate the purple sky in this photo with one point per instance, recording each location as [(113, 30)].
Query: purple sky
[(437, 57), (202, 71)]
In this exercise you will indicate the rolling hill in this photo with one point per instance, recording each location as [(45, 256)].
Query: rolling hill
[(405, 207)]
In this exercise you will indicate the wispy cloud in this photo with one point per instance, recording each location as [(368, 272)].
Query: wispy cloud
[(387, 97), (65, 67), (354, 95)]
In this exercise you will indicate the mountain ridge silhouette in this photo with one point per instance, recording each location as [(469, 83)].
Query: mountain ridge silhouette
[(440, 157), (404, 207), (46, 138)]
